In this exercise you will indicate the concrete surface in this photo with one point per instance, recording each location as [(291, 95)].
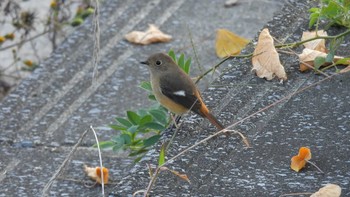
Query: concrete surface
[(45, 116)]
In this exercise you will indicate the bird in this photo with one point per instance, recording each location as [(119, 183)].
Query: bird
[(175, 90)]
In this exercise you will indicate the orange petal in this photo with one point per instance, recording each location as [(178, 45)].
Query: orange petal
[(305, 153), (297, 163)]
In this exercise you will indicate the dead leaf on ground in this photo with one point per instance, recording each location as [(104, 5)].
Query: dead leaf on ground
[(152, 35), (228, 43), (230, 3), (307, 57), (319, 44), (299, 161), (266, 62), (95, 174), (178, 174), (330, 190)]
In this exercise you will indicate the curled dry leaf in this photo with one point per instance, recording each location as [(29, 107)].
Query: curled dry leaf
[(299, 161), (319, 44), (95, 174), (178, 174), (308, 56), (152, 35), (330, 190), (228, 43), (266, 62)]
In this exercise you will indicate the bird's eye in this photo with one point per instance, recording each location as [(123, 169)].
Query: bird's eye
[(158, 62)]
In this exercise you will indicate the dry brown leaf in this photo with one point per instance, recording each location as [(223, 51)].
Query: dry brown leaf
[(152, 35), (182, 176), (228, 43), (266, 62), (95, 174), (308, 56), (330, 190), (319, 44)]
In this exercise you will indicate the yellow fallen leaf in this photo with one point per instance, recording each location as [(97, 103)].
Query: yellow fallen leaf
[(152, 35), (308, 56), (330, 190), (95, 174), (228, 43), (266, 62), (319, 44)]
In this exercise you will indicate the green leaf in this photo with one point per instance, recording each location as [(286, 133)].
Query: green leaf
[(330, 57), (146, 119), (171, 53), (137, 159), (152, 97), (124, 122), (146, 85), (346, 4), (161, 159), (133, 128), (313, 10), (142, 112), (331, 10), (344, 61), (318, 62), (154, 126), (313, 19), (117, 147), (159, 115), (181, 61), (106, 144), (151, 141), (126, 138), (117, 127), (133, 117), (187, 66), (134, 153)]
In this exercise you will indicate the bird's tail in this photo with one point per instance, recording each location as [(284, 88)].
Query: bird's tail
[(214, 121)]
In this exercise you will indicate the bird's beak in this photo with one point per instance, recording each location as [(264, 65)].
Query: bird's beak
[(145, 62)]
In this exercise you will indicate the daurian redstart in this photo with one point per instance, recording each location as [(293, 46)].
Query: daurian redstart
[(174, 89)]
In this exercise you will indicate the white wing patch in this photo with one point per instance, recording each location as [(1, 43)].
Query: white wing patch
[(180, 93)]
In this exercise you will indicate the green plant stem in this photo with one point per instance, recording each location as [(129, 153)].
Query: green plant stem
[(218, 64), (295, 44)]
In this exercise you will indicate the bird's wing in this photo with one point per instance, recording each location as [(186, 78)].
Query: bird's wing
[(179, 91)]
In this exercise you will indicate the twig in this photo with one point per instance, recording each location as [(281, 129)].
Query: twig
[(221, 62), (96, 52), (63, 165), (295, 44), (194, 50), (23, 41), (312, 163), (296, 194), (100, 157)]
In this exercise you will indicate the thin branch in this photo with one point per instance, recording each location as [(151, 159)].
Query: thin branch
[(100, 157), (63, 165), (295, 44), (221, 62), (24, 41)]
